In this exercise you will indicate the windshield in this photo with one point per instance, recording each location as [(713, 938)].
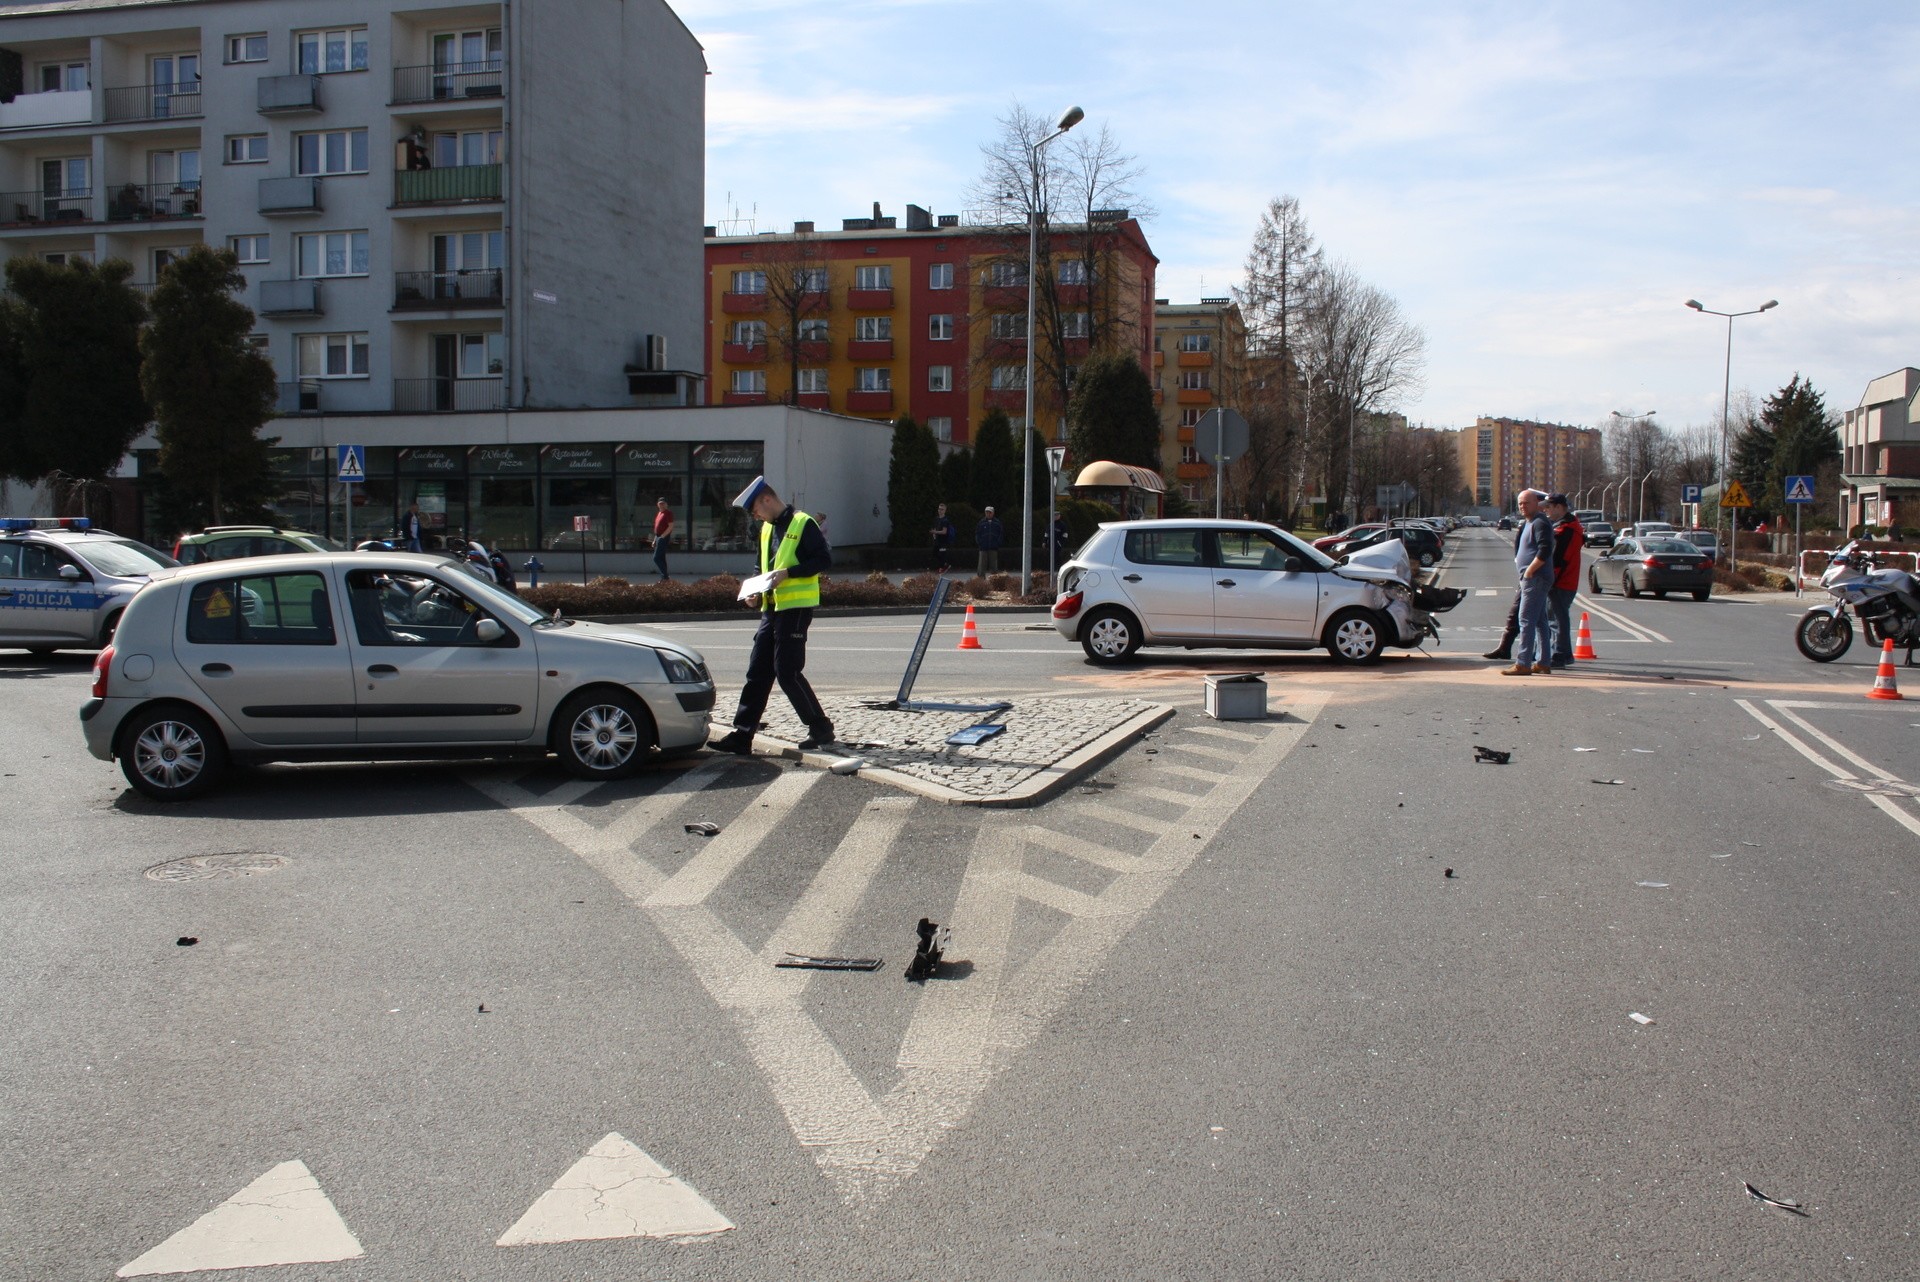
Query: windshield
[(121, 558), (1705, 538)]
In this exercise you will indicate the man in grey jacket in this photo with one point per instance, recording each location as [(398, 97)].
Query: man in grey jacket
[(1533, 560)]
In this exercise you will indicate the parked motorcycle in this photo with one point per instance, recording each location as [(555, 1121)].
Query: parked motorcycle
[(1887, 603)]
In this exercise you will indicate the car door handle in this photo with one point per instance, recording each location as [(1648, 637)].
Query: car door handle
[(1225, 583), (383, 670), (217, 669), (1129, 578)]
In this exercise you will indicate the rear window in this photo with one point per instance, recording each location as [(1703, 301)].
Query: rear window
[(1667, 545), (261, 609), (1165, 547)]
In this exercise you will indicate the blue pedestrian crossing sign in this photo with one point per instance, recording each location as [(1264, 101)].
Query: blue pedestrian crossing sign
[(1799, 489), (1689, 494), (353, 462)]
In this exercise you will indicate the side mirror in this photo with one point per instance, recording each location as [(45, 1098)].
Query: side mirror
[(1294, 565), (71, 573), (487, 631)]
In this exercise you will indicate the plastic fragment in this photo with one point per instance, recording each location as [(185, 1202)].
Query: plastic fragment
[(847, 765), (1652, 885), (187, 941), (805, 961), (1586, 749), (704, 829), (1780, 1203), (1610, 781), (1638, 1018), (1492, 756), (935, 939)]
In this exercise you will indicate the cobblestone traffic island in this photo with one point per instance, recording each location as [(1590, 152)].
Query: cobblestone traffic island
[(1048, 743)]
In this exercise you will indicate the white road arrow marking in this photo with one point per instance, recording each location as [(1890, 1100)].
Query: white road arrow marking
[(616, 1191), (281, 1218)]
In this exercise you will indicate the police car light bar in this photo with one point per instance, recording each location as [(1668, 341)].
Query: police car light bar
[(15, 524)]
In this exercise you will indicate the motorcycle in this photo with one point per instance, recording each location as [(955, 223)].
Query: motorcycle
[(1887, 603)]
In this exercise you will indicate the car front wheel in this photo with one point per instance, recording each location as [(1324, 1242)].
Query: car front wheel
[(602, 734), (1110, 636), (1593, 582), (1354, 637), (1627, 587), (171, 754)]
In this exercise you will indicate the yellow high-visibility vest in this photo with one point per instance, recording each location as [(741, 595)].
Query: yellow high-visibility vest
[(790, 594)]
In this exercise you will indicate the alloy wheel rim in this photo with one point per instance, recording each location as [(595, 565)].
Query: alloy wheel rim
[(604, 736), (170, 754)]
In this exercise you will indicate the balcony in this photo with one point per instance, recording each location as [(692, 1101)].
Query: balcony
[(135, 203), (438, 291), (870, 349), (1071, 295), (743, 353), (1006, 398), (447, 395), (27, 208), (815, 301), (1159, 359), (458, 184), (1193, 471), (815, 401), (290, 298), (1004, 298), (287, 95), (290, 195), (45, 110), (1185, 436), (870, 402), (1194, 396), (154, 102), (1196, 360), (814, 349), (302, 397), (870, 300), (743, 398), (452, 81), (743, 304)]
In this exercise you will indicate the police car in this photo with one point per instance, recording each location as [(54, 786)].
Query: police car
[(63, 583)]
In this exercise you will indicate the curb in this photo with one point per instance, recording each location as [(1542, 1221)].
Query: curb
[(822, 612)]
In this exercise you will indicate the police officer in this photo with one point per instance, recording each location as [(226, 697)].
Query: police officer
[(795, 553)]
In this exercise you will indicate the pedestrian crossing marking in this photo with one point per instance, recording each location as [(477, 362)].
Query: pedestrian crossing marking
[(281, 1218), (1123, 818), (616, 1191), (1208, 777)]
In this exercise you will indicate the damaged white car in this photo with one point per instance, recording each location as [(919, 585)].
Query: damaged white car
[(1199, 584)]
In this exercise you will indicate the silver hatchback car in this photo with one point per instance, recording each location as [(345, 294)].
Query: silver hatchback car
[(358, 656)]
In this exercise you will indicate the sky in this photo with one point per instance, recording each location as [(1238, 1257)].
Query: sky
[(1541, 186)]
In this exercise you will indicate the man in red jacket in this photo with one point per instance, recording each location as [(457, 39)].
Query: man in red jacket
[(1569, 536)]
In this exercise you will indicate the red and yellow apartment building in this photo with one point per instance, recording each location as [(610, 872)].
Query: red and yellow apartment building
[(1499, 457), (1199, 363), (926, 320)]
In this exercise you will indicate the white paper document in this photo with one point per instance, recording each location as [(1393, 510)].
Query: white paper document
[(758, 584)]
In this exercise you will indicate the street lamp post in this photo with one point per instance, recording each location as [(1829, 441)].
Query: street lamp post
[(1642, 508), (1629, 418), (1068, 119), (1726, 397)]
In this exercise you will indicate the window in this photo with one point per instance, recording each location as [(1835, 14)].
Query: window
[(325, 52), (1196, 342), (66, 257), (750, 333), (813, 330), (408, 609), (813, 382), (874, 380), (332, 253), (1009, 377), (246, 149), (63, 77), (1073, 271), (482, 355), (1164, 547), (69, 176), (163, 258), (940, 276), (480, 50), (175, 171), (256, 343), (1005, 275), (250, 48), (266, 609), (873, 276), (941, 425), (1195, 379), (472, 147), (749, 283), (940, 327), (1189, 417), (1188, 454), (810, 280), (332, 355), (1009, 325), (750, 382), (940, 378), (336, 151), (873, 329), (1075, 325), (1073, 376), (249, 249), (1257, 550)]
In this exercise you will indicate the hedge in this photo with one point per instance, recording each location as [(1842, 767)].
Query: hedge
[(721, 593)]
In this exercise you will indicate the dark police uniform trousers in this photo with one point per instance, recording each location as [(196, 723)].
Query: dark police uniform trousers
[(779, 654)]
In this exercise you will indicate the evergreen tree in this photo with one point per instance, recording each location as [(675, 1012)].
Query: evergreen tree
[(70, 400), (1752, 461), (956, 477), (210, 391), (1111, 416), (996, 463), (913, 482), (1804, 437)]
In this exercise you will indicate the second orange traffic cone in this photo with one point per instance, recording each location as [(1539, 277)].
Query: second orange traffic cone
[(1583, 640), (969, 637), (1884, 686)]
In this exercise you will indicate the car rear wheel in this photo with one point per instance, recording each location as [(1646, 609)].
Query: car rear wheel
[(111, 626), (1426, 559), (1355, 636), (1110, 635), (1659, 594), (1701, 594), (603, 734), (172, 753)]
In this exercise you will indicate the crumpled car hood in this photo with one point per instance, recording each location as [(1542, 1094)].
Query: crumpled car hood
[(1386, 562)]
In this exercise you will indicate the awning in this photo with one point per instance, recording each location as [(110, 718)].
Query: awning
[(1109, 474)]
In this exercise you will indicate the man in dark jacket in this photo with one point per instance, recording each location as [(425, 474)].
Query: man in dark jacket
[(1569, 536), (989, 536), (794, 553)]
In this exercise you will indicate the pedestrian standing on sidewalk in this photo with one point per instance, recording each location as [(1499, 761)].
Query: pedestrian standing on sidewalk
[(1569, 536), (942, 533), (989, 536), (413, 528), (795, 553), (662, 536), (1533, 560)]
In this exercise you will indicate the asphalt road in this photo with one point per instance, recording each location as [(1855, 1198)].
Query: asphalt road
[(1218, 1014)]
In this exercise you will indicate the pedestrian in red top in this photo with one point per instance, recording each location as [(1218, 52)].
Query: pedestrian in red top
[(1569, 536), (662, 536)]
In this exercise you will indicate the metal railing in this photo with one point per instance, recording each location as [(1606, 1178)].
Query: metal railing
[(302, 397), (437, 83), (446, 186), (154, 102), (138, 202), (447, 395), (20, 207), (477, 287)]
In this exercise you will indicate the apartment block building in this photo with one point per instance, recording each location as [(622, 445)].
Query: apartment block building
[(439, 207), (1880, 453), (927, 320), (1501, 456), (1199, 363)]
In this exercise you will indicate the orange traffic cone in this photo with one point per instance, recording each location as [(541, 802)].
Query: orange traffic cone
[(1883, 684), (969, 638), (1583, 640)]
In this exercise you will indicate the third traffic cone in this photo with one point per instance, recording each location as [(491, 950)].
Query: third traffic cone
[(1583, 640), (969, 638), (1883, 684)]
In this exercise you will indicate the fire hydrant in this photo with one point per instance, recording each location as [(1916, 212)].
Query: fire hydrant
[(533, 568)]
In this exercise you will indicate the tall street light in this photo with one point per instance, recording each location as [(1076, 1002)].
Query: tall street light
[(1726, 397), (1068, 119), (1627, 419)]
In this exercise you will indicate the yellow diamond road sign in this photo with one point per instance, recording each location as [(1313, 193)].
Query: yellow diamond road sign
[(1735, 496)]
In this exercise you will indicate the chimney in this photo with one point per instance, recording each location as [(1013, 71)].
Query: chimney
[(876, 211), (919, 219), (801, 229)]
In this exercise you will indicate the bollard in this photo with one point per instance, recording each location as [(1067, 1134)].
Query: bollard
[(533, 568)]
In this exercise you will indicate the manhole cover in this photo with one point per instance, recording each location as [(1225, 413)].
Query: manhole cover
[(230, 863)]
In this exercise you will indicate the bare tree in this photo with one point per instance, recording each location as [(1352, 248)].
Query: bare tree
[(1365, 354), (797, 292)]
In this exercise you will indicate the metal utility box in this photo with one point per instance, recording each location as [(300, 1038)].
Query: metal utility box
[(1240, 697)]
